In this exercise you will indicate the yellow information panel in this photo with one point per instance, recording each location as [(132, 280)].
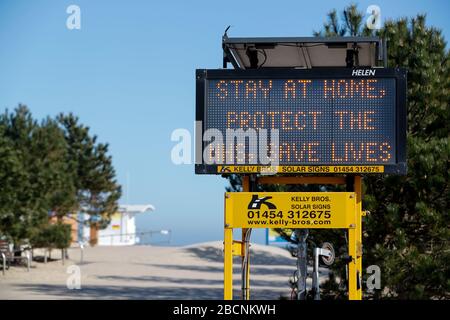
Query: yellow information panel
[(320, 210), (299, 169)]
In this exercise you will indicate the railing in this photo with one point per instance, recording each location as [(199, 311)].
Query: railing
[(150, 233)]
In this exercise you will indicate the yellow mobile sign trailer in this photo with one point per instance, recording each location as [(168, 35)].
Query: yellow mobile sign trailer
[(345, 119), (308, 210)]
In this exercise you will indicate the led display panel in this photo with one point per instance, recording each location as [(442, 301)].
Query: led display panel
[(330, 120)]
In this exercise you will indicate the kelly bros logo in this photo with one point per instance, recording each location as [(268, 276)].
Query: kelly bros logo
[(256, 202), (225, 170)]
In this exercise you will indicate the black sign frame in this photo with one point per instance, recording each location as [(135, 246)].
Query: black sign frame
[(399, 74)]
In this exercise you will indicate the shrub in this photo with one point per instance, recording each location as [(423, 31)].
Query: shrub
[(52, 236)]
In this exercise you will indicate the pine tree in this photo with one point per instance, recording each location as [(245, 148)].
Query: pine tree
[(97, 190), (12, 175), (407, 232), (51, 168), (33, 172)]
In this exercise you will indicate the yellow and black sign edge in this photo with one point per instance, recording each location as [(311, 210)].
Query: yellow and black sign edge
[(300, 169), (348, 199)]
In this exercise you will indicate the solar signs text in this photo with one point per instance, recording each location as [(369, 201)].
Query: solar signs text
[(308, 121)]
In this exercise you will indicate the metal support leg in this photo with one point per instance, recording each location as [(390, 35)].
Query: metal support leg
[(4, 262), (352, 268), (355, 244), (315, 279), (228, 264), (227, 255), (316, 275), (27, 253), (358, 235), (81, 253), (245, 265)]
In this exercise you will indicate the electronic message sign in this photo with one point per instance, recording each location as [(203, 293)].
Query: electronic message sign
[(324, 120)]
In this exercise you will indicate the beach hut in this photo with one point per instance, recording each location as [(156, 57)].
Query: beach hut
[(121, 231)]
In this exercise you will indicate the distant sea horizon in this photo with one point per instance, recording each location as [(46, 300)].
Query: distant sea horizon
[(183, 235)]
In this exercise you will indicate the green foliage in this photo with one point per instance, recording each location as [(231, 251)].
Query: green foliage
[(97, 190), (53, 236), (32, 164), (54, 166), (350, 23), (407, 233)]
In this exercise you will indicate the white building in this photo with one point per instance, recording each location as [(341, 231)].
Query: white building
[(121, 231)]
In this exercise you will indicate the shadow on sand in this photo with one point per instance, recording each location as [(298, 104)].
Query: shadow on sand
[(189, 281), (255, 269), (138, 293), (213, 254), (205, 284)]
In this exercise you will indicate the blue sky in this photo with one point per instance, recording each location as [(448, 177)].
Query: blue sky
[(129, 75)]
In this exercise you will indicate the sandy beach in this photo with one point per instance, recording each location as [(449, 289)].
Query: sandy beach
[(150, 272)]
